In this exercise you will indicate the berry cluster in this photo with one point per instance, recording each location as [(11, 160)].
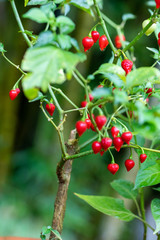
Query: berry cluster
[(118, 41), (14, 93), (88, 42)]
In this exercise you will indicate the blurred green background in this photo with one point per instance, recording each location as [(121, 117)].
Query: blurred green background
[(29, 150)]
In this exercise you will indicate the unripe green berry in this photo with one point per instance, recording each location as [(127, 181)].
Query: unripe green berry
[(151, 29)]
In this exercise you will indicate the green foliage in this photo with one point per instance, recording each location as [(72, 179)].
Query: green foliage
[(36, 14), (125, 188), (2, 47), (109, 206), (155, 209), (47, 230), (46, 66)]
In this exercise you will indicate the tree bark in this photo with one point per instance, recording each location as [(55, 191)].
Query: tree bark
[(64, 169)]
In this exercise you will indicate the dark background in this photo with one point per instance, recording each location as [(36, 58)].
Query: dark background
[(29, 150)]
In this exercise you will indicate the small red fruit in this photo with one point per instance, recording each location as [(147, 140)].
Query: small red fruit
[(114, 131), (81, 127), (50, 107), (13, 94), (106, 143), (87, 43), (159, 35), (126, 137), (117, 142), (96, 146), (90, 97), (18, 90), (149, 91), (101, 152), (113, 167), (88, 122), (95, 35), (127, 65), (118, 41), (157, 3), (143, 157), (84, 104), (129, 164), (93, 128), (100, 121), (100, 86), (103, 42)]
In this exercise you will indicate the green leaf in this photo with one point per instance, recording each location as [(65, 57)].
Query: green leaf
[(81, 4), (125, 188), (36, 15), (57, 234), (37, 2), (46, 38), (155, 209), (2, 47), (46, 64), (40, 96), (64, 41), (111, 68), (109, 206), (143, 75), (128, 16), (101, 92), (157, 189), (30, 93), (46, 230), (26, 2), (65, 24), (154, 50), (148, 175), (151, 3)]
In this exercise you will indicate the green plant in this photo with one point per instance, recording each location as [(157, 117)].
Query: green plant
[(50, 60)]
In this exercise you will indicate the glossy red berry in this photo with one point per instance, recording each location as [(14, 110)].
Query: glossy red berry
[(159, 35), (117, 142), (129, 164), (113, 167), (88, 122), (118, 41), (84, 104), (87, 43), (149, 91), (142, 157), (103, 42), (81, 127), (50, 107), (96, 146), (95, 35), (126, 137), (114, 131), (157, 3), (13, 94), (127, 65), (93, 128), (100, 121), (106, 143)]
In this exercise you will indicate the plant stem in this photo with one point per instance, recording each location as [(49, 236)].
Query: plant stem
[(85, 144), (78, 80), (109, 21), (147, 224), (55, 100), (104, 26), (60, 91), (48, 118), (139, 35), (137, 206), (14, 65), (20, 23), (143, 212), (80, 75)]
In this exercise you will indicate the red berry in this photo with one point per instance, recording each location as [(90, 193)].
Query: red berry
[(106, 143), (113, 167), (159, 42), (126, 137), (100, 121), (96, 146), (93, 128), (81, 127), (90, 97), (18, 90), (114, 131), (100, 86), (13, 94), (149, 91), (95, 36), (88, 122), (103, 42), (50, 107), (159, 35), (157, 3), (118, 41), (87, 43), (117, 142), (84, 104), (127, 65), (129, 164), (143, 157)]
